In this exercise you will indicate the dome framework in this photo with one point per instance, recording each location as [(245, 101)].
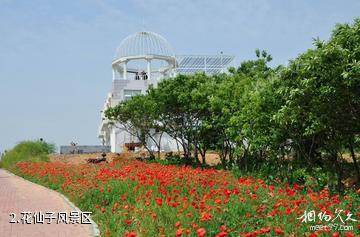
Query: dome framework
[(144, 43), (148, 47)]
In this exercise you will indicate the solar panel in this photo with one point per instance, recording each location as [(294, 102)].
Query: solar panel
[(210, 64)]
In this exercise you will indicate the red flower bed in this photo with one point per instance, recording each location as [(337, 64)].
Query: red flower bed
[(131, 198)]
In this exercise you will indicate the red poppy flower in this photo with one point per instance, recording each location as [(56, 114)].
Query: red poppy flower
[(201, 232), (179, 232), (116, 205), (265, 230), (131, 234), (221, 234), (279, 231)]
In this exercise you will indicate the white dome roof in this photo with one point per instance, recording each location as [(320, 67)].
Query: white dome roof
[(144, 43)]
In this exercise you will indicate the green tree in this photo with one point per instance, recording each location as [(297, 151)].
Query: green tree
[(182, 105), (321, 92), (139, 117), (238, 109)]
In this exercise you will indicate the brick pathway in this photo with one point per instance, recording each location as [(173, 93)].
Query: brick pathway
[(17, 195)]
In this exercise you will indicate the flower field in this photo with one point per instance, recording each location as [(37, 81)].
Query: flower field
[(133, 198)]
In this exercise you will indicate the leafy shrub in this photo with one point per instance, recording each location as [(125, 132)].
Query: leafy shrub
[(35, 151)]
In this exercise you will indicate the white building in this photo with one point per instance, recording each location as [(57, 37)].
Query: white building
[(142, 59)]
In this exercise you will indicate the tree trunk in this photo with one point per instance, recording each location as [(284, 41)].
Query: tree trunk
[(177, 146), (159, 147), (151, 153), (339, 171), (196, 151), (243, 160), (187, 151), (186, 155), (246, 159), (231, 152), (356, 167), (203, 154), (223, 154)]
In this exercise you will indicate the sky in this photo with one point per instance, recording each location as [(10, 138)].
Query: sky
[(55, 56)]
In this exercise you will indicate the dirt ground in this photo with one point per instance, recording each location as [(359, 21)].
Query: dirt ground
[(211, 158), (78, 158)]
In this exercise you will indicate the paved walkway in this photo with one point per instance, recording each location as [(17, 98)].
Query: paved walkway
[(18, 195)]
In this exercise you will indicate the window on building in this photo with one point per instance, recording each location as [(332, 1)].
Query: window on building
[(130, 93)]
